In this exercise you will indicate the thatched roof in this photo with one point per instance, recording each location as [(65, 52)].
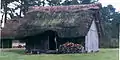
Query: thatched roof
[(70, 8), (67, 21), (10, 29)]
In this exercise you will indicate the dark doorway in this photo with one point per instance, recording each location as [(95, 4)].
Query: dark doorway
[(51, 37), (43, 41)]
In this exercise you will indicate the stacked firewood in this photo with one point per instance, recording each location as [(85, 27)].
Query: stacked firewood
[(70, 47)]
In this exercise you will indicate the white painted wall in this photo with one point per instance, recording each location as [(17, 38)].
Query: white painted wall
[(91, 40)]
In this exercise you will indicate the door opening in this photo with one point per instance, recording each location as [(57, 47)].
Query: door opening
[(51, 37)]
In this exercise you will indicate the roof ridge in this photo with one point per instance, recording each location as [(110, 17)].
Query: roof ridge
[(64, 8)]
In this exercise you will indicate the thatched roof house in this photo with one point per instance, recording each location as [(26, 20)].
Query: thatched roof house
[(62, 19), (66, 21)]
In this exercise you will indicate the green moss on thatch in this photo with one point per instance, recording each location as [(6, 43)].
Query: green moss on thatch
[(67, 21)]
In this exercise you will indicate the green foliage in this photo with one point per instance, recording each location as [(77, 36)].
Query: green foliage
[(77, 2), (110, 20), (54, 2), (70, 2)]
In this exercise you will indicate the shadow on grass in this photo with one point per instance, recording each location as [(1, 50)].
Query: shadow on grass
[(18, 51), (22, 51)]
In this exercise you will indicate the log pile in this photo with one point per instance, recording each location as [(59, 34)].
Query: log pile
[(70, 47)]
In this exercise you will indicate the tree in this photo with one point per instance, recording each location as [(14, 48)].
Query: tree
[(71, 2), (23, 6), (77, 2), (4, 4), (54, 2), (110, 20), (88, 1)]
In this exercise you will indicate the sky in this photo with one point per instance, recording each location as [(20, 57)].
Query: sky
[(115, 3)]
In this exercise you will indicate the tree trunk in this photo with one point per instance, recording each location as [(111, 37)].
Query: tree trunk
[(5, 9), (20, 13)]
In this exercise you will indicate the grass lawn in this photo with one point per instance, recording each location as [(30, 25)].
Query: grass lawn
[(104, 54)]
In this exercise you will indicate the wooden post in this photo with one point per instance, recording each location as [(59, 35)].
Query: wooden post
[(48, 42), (56, 43), (5, 8)]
